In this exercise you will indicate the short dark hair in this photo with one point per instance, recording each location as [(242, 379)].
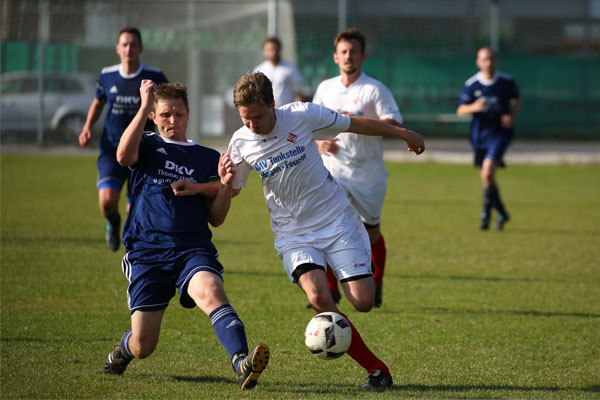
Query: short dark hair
[(351, 34), (492, 51), (273, 39), (171, 91), (131, 30), (253, 88)]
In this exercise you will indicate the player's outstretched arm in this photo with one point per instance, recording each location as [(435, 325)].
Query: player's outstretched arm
[(375, 127), (222, 202), (127, 152), (92, 116)]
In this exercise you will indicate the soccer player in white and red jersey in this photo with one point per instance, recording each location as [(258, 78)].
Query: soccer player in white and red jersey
[(312, 219), (356, 161), (284, 75)]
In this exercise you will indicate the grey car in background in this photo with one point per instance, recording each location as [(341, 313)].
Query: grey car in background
[(67, 98)]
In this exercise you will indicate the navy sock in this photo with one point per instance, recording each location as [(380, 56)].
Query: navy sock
[(230, 331), (496, 201), (113, 219), (124, 344), (487, 202)]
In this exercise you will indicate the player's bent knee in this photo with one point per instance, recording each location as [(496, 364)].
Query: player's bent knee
[(109, 201), (321, 301), (487, 177), (363, 305)]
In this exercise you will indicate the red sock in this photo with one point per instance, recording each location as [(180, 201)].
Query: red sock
[(378, 254), (331, 280), (359, 351)]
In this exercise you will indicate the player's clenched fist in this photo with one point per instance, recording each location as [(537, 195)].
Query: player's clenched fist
[(227, 169), (415, 142), (147, 89)]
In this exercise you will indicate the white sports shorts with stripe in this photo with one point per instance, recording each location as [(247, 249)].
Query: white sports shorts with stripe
[(343, 243)]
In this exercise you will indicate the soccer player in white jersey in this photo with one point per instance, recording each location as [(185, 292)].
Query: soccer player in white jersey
[(356, 161), (284, 76), (178, 188), (312, 219)]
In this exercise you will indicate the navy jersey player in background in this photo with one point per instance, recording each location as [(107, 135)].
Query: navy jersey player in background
[(493, 99), (118, 86), (178, 187)]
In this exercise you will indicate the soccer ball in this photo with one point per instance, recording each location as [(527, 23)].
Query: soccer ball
[(328, 335)]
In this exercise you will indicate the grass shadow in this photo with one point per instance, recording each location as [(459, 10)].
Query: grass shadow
[(552, 232), (352, 390), (26, 241), (530, 313), (201, 379), (469, 278), (509, 388), (55, 340), (308, 389)]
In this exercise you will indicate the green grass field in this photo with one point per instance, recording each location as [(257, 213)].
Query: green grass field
[(465, 314)]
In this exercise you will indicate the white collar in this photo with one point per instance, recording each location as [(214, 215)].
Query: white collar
[(487, 82), (129, 76)]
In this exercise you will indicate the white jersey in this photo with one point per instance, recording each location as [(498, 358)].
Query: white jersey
[(360, 157), (285, 78), (300, 193)]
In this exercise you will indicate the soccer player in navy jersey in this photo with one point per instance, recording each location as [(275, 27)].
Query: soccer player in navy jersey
[(178, 187), (493, 99), (118, 86)]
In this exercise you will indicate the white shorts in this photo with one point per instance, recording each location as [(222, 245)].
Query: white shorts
[(367, 198), (343, 244)]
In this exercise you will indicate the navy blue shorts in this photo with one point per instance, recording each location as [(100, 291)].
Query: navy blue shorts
[(155, 274), (494, 149), (111, 174)]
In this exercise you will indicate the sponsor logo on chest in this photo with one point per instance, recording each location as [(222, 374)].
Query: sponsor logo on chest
[(180, 169), (127, 99)]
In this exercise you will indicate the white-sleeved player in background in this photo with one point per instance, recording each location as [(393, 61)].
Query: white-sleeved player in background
[(284, 76), (314, 223), (356, 161)]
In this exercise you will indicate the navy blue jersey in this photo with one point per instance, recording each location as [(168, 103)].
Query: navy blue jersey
[(157, 218), (498, 92), (122, 94)]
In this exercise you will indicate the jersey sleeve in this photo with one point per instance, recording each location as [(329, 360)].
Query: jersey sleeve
[(213, 172), (162, 78), (100, 91), (317, 96), (385, 105), (514, 90), (243, 168), (466, 97), (327, 123), (145, 143)]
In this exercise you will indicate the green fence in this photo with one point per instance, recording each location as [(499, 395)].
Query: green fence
[(24, 56), (561, 96)]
